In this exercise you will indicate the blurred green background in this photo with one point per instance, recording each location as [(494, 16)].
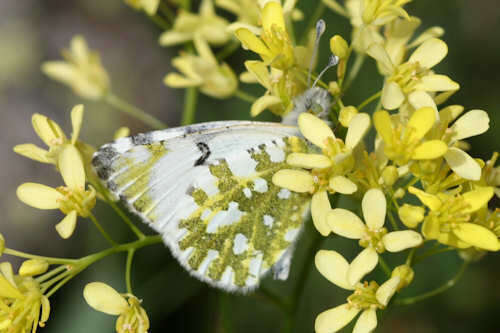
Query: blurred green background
[(32, 31)]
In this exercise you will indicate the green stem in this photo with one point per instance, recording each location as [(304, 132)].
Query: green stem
[(431, 252), (274, 299), (387, 270), (411, 256), (51, 273), (450, 283), (353, 73), (160, 22), (318, 13), (169, 14), (102, 231), (227, 50), (128, 270), (133, 111), (391, 218), (190, 99), (50, 260), (244, 96), (369, 100), (333, 5), (59, 285)]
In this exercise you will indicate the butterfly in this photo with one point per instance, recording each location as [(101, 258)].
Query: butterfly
[(207, 189)]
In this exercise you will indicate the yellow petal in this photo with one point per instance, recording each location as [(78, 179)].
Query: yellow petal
[(66, 227), (462, 164), (432, 32), (272, 14), (392, 96), (397, 241), (7, 290), (76, 121), (420, 123), (430, 53), (320, 207), (420, 99), (358, 127), (367, 322), (33, 267), (449, 238), (251, 42), (175, 80), (477, 198), (172, 37), (477, 235), (263, 103), (122, 132), (387, 290), (346, 223), (374, 208), (430, 150), (259, 69), (383, 124), (342, 185), (472, 123), (294, 180), (333, 266), (335, 319), (438, 82), (427, 199), (363, 264), (47, 130), (383, 59), (31, 151), (204, 50), (308, 161), (39, 196), (71, 166), (103, 298), (314, 129)]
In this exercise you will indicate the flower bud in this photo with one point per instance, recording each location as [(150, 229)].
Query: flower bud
[(339, 46), (405, 273), (399, 193), (333, 88), (346, 115), (390, 175), (33, 267), (472, 254), (411, 215), (121, 133)]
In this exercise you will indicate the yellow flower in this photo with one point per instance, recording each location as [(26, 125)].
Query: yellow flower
[(281, 88), (450, 219), (367, 297), (53, 136), (149, 6), (372, 235), (403, 143), (412, 75), (206, 25), (274, 45), (73, 200), (328, 170), (132, 317), (82, 70), (203, 71), (24, 307)]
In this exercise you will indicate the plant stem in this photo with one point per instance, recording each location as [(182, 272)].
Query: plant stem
[(369, 100), (353, 73), (244, 96), (391, 218), (387, 270), (333, 5), (169, 14), (128, 270), (190, 99), (102, 231), (432, 252), (450, 283), (133, 111), (50, 260), (160, 22), (51, 273), (227, 50)]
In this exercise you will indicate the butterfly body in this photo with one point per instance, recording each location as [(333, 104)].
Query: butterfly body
[(207, 190)]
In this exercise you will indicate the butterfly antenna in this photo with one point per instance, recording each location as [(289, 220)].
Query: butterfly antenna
[(320, 29), (333, 61)]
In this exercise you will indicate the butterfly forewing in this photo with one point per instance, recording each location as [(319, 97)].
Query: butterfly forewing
[(207, 190)]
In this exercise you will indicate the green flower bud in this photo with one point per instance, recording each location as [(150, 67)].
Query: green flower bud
[(339, 46), (411, 215), (346, 115), (33, 267)]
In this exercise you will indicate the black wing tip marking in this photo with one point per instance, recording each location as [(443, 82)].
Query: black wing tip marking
[(205, 153), (103, 160)]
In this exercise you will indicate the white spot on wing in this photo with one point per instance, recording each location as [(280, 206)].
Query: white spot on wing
[(268, 221), (211, 255), (247, 192), (276, 154), (240, 244), (227, 276), (254, 269), (206, 213), (225, 217), (291, 235), (260, 185), (284, 193), (241, 165)]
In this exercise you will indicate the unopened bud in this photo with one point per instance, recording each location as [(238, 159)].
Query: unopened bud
[(333, 88), (405, 273), (399, 193), (390, 175), (339, 46), (411, 215), (346, 115), (33, 267)]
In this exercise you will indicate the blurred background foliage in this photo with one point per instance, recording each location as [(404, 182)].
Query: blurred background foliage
[(33, 31)]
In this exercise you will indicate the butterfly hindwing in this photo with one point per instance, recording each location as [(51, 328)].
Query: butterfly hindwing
[(207, 190)]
